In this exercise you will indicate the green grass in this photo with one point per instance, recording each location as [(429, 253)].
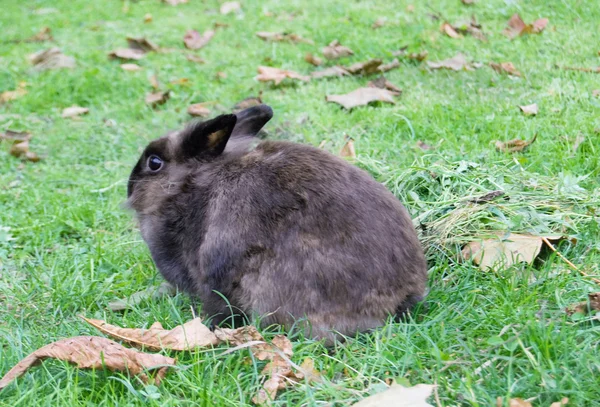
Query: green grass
[(481, 335)]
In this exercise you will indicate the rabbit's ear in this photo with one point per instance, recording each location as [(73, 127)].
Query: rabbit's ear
[(208, 138), (251, 120)]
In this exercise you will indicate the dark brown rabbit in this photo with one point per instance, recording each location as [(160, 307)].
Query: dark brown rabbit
[(275, 229)]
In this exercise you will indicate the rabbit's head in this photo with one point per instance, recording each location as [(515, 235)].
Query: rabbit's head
[(166, 162)]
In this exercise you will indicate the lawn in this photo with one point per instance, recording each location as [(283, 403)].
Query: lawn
[(480, 335)]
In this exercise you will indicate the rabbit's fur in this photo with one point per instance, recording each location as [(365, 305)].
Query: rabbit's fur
[(281, 230)]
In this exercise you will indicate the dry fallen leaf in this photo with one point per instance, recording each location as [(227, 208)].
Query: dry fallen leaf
[(151, 293), (92, 352), (192, 334), (193, 40), (449, 30), (470, 27), (348, 148), (141, 44), (514, 145), (230, 7), (276, 75), (365, 68), (505, 67), (153, 79), (399, 396), (51, 58), (418, 56), (517, 27), (174, 2), (148, 18), (15, 136), (388, 67), (380, 22), (468, 2), (383, 83), (21, 150), (198, 110), (74, 111), (506, 250), (586, 307), (45, 34), (563, 402), (362, 96), (195, 58), (279, 36), (516, 402), (336, 50), (127, 54), (423, 146), (157, 98), (313, 60), (246, 103), (131, 67), (456, 63), (329, 72), (11, 95), (529, 110)]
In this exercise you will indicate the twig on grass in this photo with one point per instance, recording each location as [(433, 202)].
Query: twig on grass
[(574, 267)]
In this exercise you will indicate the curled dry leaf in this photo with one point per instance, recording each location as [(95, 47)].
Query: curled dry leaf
[(21, 150), (348, 148), (365, 68), (51, 58), (516, 402), (193, 40), (383, 83), (363, 96), (131, 67), (456, 63), (529, 110), (388, 67), (127, 54), (517, 27), (276, 75), (279, 36), (563, 402), (92, 352), (15, 136), (74, 111), (472, 28), (505, 67), (586, 307), (157, 98), (148, 18), (198, 110), (230, 7), (153, 79), (45, 34), (335, 50), (142, 44), (329, 72), (246, 103), (193, 334), (151, 293), (399, 396), (447, 29), (418, 56), (10, 95), (489, 197), (313, 60), (380, 22), (515, 145), (506, 250)]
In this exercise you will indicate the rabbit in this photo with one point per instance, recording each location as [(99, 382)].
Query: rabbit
[(273, 229)]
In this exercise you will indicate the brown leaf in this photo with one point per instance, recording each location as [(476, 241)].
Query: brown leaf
[(51, 58), (230, 7), (468, 2), (539, 25), (193, 334), (362, 96), (148, 18), (195, 58), (221, 75), (157, 98), (151, 293), (21, 150), (563, 402), (198, 110), (336, 50), (276, 75), (131, 67), (10, 95), (127, 54), (383, 83), (175, 2), (596, 93), (423, 146), (243, 335), (154, 82), (380, 22), (279, 36), (313, 60), (193, 39), (15, 136), (329, 72), (180, 81), (45, 34), (517, 27), (516, 402), (586, 307), (92, 352), (529, 110), (515, 145), (399, 396), (348, 148), (74, 111), (505, 67), (505, 250), (388, 67), (456, 63), (365, 68), (449, 30), (472, 28), (418, 56), (141, 44), (247, 103)]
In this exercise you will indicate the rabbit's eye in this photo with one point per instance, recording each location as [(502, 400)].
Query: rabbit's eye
[(155, 163)]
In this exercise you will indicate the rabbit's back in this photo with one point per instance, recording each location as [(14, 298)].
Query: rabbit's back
[(293, 232)]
